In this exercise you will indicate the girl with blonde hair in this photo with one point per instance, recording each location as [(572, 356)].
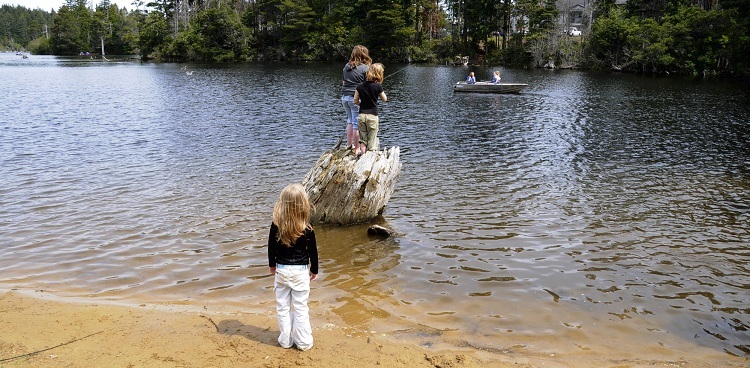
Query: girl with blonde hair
[(366, 96), (496, 77), (291, 249)]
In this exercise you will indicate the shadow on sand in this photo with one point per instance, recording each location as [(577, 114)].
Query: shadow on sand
[(234, 327)]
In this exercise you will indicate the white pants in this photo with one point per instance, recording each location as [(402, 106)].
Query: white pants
[(292, 287)]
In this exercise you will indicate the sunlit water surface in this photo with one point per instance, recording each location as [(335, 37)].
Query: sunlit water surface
[(591, 211)]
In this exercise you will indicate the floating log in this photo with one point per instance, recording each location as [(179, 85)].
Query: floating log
[(348, 189)]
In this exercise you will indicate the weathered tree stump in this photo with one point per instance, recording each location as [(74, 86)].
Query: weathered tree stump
[(347, 189)]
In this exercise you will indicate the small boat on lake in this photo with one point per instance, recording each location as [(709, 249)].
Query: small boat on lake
[(489, 87)]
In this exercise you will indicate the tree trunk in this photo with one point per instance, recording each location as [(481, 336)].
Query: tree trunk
[(347, 189)]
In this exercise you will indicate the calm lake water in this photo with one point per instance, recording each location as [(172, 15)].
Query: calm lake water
[(592, 211)]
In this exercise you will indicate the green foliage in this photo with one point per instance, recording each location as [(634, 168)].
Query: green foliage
[(70, 34), (333, 40), (298, 33), (154, 35), (214, 35), (39, 46), (267, 20), (649, 43), (650, 36), (186, 46), (609, 37), (542, 17), (386, 32), (478, 22), (686, 39), (702, 39), (19, 26), (115, 28), (515, 54)]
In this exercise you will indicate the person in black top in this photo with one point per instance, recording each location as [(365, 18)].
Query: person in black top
[(366, 97), (291, 248)]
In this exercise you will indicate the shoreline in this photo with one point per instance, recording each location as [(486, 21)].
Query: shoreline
[(43, 330)]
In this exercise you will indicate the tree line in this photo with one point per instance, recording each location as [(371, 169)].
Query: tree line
[(20, 26), (649, 36)]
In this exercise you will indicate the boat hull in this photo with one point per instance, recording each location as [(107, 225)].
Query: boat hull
[(488, 87)]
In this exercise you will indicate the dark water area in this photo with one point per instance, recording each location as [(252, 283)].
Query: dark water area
[(592, 211)]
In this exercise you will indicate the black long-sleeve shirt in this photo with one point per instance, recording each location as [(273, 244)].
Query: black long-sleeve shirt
[(303, 251)]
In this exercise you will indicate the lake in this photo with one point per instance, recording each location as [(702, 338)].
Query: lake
[(593, 211)]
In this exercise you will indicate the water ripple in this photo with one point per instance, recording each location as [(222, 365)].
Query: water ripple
[(612, 205)]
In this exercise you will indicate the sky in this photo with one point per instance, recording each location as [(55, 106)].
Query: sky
[(56, 4)]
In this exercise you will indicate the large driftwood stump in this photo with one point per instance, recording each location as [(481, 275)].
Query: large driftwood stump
[(347, 189)]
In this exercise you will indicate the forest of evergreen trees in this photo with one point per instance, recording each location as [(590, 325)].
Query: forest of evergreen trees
[(651, 36)]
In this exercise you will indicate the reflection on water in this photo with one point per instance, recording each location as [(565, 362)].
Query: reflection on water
[(605, 211), (356, 270)]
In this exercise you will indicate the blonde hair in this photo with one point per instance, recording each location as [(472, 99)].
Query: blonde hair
[(375, 73), (291, 214), (360, 55)]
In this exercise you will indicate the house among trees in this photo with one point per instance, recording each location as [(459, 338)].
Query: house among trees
[(575, 13)]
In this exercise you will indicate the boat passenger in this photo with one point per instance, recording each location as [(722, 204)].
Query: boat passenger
[(496, 77), (470, 79)]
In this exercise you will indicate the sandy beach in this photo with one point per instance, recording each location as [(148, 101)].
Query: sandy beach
[(40, 330)]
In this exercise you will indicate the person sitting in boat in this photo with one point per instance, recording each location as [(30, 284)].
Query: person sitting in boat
[(496, 77), (470, 79)]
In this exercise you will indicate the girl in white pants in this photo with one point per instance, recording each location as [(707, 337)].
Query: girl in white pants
[(291, 248)]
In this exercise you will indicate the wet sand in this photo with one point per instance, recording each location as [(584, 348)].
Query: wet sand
[(40, 330)]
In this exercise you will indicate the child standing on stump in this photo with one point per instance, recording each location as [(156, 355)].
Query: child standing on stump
[(291, 248), (353, 75), (366, 96)]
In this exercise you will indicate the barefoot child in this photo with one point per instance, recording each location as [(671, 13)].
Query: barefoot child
[(366, 96), (291, 247)]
